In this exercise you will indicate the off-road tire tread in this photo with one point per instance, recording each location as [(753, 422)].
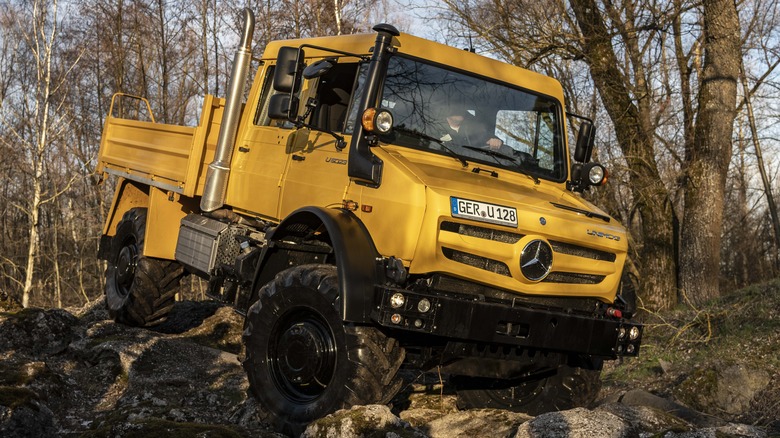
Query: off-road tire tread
[(374, 358), (152, 293)]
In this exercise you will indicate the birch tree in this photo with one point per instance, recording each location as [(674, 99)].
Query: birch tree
[(33, 121)]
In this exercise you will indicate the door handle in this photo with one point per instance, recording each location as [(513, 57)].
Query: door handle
[(298, 157)]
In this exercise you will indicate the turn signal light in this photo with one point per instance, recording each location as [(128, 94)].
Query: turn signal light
[(379, 121)]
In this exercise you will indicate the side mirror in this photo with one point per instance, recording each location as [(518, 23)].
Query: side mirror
[(287, 82), (282, 106), (585, 139), (289, 65)]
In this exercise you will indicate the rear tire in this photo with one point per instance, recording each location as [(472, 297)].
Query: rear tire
[(570, 387), (140, 290), (303, 362)]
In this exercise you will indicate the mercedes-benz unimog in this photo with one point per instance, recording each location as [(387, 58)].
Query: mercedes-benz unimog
[(333, 208)]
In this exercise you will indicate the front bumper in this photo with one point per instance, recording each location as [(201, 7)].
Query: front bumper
[(472, 318)]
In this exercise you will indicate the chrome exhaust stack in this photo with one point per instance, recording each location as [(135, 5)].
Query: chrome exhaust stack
[(217, 175)]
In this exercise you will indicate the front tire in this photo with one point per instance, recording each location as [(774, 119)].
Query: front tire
[(140, 290), (570, 387), (303, 362)]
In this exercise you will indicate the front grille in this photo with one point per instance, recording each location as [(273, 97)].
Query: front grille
[(501, 268), (573, 278), (476, 261), (581, 251), (481, 232)]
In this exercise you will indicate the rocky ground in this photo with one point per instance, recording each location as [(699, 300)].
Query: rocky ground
[(76, 373)]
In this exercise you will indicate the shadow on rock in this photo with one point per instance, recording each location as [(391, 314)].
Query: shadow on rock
[(186, 315)]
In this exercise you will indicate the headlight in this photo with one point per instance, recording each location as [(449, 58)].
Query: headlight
[(597, 175), (424, 305), (379, 121), (397, 300), (633, 333)]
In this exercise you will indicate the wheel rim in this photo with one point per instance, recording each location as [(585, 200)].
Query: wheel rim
[(125, 267), (303, 357)]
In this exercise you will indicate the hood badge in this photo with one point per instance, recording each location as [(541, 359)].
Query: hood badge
[(604, 235)]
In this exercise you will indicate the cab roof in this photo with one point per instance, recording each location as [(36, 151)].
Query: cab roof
[(416, 47)]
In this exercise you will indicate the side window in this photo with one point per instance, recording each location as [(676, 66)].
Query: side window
[(261, 115), (352, 111), (333, 97)]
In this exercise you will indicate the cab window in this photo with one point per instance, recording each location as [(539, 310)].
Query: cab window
[(333, 97)]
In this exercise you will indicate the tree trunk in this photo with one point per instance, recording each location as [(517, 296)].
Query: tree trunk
[(657, 264), (708, 160), (43, 61), (34, 242), (56, 263), (761, 167)]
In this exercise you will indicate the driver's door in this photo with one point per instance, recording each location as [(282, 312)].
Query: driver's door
[(317, 170)]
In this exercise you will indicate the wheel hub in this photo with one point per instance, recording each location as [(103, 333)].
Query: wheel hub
[(125, 266), (304, 360)]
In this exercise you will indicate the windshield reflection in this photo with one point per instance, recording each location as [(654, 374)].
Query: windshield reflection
[(436, 109)]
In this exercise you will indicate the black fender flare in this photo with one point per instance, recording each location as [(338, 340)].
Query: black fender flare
[(353, 249)]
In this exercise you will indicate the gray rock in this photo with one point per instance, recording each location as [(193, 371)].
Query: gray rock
[(40, 332), (639, 397), (360, 421), (727, 389), (475, 422), (23, 414), (737, 386), (576, 423), (646, 419), (727, 431)]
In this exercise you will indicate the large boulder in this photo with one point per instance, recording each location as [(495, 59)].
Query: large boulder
[(36, 331), (576, 423), (730, 389)]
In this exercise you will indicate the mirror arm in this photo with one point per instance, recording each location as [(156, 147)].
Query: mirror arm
[(300, 123), (339, 52)]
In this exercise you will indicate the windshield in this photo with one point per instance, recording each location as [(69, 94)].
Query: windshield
[(445, 111)]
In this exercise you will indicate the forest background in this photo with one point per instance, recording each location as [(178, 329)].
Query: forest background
[(684, 94)]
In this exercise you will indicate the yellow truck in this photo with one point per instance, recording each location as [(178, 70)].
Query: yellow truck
[(377, 201)]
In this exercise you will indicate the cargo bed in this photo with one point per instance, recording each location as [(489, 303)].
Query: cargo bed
[(171, 157)]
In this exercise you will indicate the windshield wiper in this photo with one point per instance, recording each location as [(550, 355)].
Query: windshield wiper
[(495, 155), (425, 136)]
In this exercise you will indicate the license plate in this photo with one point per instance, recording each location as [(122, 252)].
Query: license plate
[(483, 212)]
